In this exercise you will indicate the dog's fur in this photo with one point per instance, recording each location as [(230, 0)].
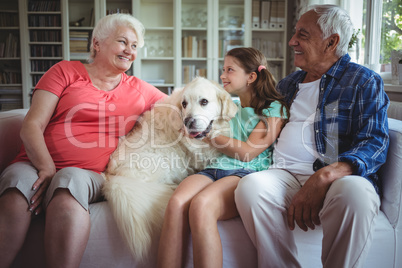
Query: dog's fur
[(153, 158)]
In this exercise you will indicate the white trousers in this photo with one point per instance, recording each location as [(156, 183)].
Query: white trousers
[(347, 218)]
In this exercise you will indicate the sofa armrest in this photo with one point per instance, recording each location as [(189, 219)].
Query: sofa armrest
[(390, 173), (10, 141)]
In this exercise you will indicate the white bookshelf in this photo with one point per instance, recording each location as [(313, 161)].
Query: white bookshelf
[(212, 25)]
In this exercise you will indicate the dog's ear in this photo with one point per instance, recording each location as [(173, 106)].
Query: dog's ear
[(176, 97), (229, 108), (174, 109)]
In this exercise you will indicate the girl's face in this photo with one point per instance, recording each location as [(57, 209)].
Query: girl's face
[(233, 77), (119, 50)]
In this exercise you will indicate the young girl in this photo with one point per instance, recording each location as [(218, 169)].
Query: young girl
[(204, 198)]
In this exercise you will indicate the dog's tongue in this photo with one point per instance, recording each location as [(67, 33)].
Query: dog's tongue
[(194, 134)]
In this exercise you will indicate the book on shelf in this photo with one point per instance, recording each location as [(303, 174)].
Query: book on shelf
[(79, 45), (10, 76), (10, 90), (188, 73), (44, 5), (275, 70), (191, 71), (2, 49), (9, 48), (202, 48), (10, 103), (42, 65), (155, 81), (45, 36), (9, 19), (228, 44), (194, 47), (35, 20), (80, 40), (92, 18), (46, 51), (189, 46), (201, 72)]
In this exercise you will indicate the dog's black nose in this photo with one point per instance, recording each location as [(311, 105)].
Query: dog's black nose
[(189, 122)]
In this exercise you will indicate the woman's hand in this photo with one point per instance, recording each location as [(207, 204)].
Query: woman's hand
[(41, 185)]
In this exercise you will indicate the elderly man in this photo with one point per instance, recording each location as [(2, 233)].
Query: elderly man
[(327, 156)]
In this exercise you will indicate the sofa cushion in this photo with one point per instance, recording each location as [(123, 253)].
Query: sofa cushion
[(390, 173), (10, 143)]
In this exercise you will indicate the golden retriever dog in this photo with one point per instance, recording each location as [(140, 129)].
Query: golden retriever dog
[(164, 147)]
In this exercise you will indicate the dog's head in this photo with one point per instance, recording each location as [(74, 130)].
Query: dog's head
[(203, 104)]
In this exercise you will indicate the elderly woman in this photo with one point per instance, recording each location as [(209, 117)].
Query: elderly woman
[(77, 115)]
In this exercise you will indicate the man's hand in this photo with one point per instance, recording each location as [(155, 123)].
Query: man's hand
[(307, 203)]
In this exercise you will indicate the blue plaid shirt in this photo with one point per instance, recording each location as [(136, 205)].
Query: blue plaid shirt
[(351, 122)]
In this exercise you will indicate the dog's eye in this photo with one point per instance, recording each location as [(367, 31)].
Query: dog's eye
[(204, 102), (184, 104)]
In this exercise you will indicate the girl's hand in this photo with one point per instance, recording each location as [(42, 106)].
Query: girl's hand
[(41, 185), (258, 141)]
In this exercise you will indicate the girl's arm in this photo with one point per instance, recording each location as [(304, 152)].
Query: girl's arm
[(258, 141)]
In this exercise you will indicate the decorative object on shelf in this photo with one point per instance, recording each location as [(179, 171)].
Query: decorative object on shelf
[(77, 23)]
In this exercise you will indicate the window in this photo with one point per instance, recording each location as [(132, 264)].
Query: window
[(378, 28), (378, 25)]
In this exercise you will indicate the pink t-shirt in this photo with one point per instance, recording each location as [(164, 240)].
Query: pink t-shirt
[(87, 122)]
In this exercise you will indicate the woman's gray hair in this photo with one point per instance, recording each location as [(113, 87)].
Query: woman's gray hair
[(333, 19), (109, 23)]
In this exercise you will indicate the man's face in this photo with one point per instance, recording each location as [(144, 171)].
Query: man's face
[(307, 43)]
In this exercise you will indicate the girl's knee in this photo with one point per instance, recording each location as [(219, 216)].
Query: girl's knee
[(201, 209), (175, 202)]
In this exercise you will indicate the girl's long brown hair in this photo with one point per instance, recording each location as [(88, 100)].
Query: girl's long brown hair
[(264, 92)]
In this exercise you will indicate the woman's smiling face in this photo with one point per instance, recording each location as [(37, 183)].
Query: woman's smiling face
[(119, 49)]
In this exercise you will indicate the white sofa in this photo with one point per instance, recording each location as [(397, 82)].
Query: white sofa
[(107, 249)]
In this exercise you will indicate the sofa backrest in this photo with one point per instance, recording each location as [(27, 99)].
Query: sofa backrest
[(395, 110), (390, 172)]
